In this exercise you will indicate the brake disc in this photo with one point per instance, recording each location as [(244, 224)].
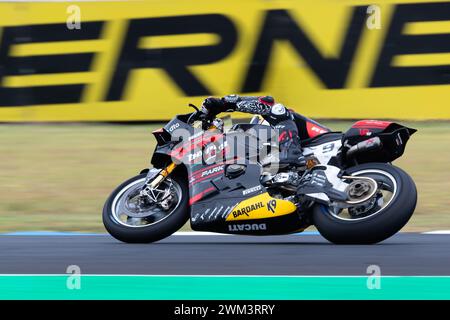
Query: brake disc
[(361, 189), (138, 207)]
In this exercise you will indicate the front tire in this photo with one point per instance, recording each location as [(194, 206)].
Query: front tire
[(376, 227), (142, 232)]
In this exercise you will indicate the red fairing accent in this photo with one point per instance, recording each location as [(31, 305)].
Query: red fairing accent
[(269, 103), (314, 130), (200, 195), (374, 124)]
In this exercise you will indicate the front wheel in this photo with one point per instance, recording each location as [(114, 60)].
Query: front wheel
[(377, 219), (131, 218)]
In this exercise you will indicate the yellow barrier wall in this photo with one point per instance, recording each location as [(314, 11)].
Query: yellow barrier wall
[(146, 60)]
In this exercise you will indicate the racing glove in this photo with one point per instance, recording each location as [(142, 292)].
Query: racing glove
[(233, 102)]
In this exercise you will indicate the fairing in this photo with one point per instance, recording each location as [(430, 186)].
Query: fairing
[(393, 138)]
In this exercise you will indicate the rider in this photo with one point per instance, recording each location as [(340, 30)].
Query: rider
[(274, 113)]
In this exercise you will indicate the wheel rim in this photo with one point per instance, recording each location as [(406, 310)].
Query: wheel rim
[(129, 212), (387, 191)]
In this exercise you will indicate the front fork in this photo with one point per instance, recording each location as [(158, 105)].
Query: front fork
[(155, 177)]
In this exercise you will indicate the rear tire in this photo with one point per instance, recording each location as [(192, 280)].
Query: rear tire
[(382, 225), (152, 232)]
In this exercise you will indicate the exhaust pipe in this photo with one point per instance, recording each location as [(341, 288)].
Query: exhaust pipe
[(366, 145)]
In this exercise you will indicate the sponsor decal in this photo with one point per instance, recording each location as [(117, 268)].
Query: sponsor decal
[(246, 210), (210, 154), (271, 205), (251, 190), (204, 173), (264, 205), (194, 156), (211, 171), (173, 127), (314, 130), (212, 150), (247, 227)]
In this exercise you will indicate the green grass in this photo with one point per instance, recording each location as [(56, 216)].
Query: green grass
[(57, 177)]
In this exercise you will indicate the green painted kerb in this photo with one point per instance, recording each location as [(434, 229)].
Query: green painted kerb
[(221, 287)]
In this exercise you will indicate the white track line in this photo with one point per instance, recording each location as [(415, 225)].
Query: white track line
[(437, 232)]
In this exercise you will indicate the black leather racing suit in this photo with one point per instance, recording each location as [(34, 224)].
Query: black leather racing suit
[(275, 113)]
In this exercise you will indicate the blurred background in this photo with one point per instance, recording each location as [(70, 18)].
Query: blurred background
[(83, 84)]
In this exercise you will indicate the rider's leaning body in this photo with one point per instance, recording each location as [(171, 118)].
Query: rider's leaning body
[(275, 113)]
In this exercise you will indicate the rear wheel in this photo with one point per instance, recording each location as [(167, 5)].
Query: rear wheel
[(377, 219), (129, 217)]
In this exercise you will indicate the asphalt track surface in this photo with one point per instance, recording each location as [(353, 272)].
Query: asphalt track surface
[(403, 254)]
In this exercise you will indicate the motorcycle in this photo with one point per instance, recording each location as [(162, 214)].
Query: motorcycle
[(226, 179)]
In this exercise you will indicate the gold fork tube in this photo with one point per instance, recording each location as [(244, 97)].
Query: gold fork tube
[(162, 175)]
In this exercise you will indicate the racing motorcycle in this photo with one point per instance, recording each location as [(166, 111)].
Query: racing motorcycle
[(225, 178)]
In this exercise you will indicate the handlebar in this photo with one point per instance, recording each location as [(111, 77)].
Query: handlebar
[(198, 114)]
